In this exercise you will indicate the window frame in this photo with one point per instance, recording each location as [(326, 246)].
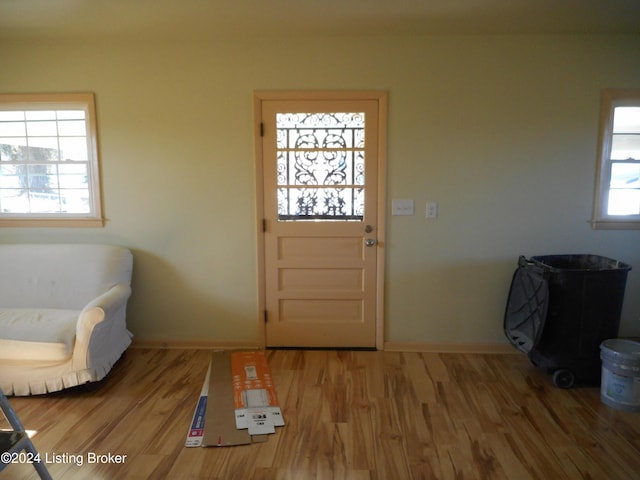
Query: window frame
[(62, 101), (610, 99)]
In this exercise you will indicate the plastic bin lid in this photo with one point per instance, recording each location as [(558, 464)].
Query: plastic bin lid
[(526, 309), (582, 262)]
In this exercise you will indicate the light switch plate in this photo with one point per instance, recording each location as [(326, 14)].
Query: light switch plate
[(402, 206), (431, 210)]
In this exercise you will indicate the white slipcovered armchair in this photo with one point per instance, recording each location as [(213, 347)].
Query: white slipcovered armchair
[(62, 314)]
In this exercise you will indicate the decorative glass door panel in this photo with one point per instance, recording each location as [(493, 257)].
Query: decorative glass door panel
[(320, 166)]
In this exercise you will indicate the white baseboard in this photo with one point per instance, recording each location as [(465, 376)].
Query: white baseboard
[(496, 348), (491, 348), (195, 344)]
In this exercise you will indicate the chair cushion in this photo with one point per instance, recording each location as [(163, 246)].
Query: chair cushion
[(37, 334)]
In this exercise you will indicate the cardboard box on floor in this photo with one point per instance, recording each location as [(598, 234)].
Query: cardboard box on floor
[(238, 404)]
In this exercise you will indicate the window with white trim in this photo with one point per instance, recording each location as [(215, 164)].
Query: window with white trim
[(617, 198), (49, 171)]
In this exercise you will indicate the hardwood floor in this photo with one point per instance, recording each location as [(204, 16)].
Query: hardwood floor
[(349, 415)]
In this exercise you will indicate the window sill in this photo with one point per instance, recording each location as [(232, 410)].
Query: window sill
[(612, 224), (51, 222)]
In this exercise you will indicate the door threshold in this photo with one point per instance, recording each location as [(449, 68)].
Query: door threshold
[(339, 349)]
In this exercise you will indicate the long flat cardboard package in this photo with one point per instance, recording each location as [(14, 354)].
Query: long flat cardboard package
[(238, 404), (220, 424)]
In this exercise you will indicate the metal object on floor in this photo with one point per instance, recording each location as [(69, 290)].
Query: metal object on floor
[(16, 442)]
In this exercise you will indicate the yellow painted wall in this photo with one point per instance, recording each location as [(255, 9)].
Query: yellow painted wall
[(501, 131)]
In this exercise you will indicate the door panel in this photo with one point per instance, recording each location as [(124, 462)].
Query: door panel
[(320, 204)]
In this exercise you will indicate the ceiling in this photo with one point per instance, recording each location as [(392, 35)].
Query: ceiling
[(202, 18)]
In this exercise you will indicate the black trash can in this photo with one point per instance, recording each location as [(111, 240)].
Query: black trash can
[(561, 308)]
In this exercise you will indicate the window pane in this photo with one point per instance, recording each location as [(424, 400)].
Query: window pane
[(73, 148), (42, 129), (10, 176), (320, 203), (73, 181), (322, 167), (323, 138), (625, 175), (11, 115), (338, 130), (73, 169), (13, 149), (71, 115), (626, 120), (75, 201), (625, 146), (40, 114), (72, 128), (44, 201), (43, 177), (43, 149), (48, 143), (13, 201), (12, 129), (624, 202)]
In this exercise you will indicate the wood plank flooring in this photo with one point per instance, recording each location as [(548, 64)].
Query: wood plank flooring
[(349, 415)]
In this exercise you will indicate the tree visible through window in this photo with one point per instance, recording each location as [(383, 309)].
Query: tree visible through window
[(48, 159), (617, 203)]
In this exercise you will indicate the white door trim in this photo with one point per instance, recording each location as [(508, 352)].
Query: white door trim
[(381, 98)]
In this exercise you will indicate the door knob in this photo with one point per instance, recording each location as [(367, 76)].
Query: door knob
[(370, 242)]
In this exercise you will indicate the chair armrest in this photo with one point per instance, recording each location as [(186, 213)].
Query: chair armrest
[(109, 301), (106, 306)]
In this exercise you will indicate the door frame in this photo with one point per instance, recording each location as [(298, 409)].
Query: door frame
[(377, 95)]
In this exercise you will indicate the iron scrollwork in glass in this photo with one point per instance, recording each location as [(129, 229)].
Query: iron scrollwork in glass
[(320, 166)]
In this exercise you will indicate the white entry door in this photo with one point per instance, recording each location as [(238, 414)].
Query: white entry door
[(320, 160)]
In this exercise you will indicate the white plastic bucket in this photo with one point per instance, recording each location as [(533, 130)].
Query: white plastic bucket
[(620, 386)]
